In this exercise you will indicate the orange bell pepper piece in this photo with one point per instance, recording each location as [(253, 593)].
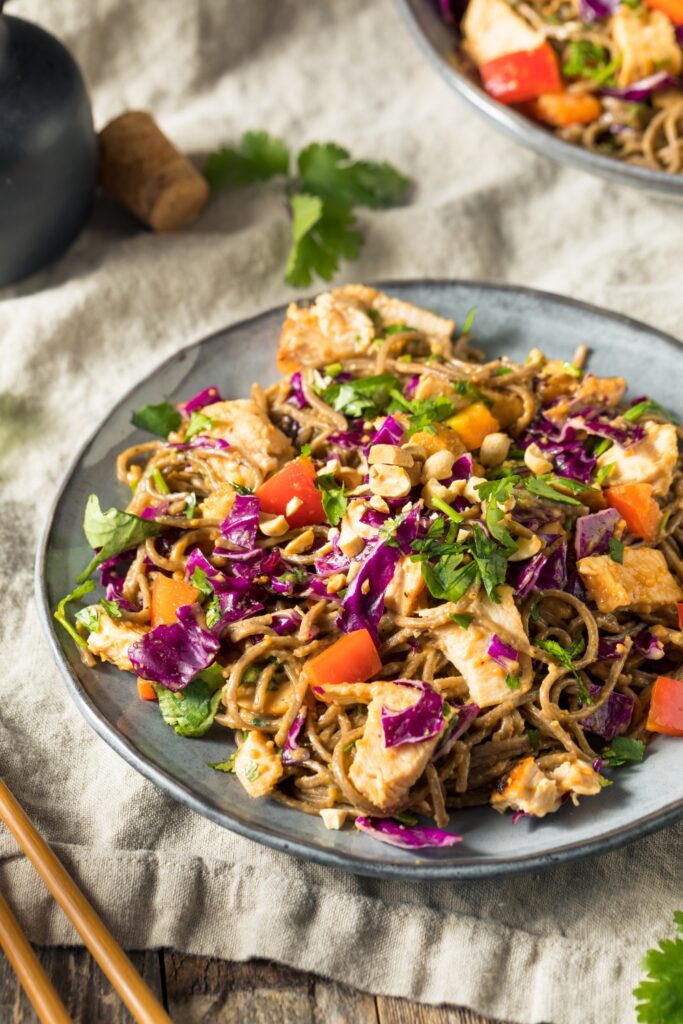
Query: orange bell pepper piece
[(295, 480), (637, 507), (351, 659), (522, 76), (666, 707), (168, 595), (672, 8), (146, 689), (560, 109), (473, 424)]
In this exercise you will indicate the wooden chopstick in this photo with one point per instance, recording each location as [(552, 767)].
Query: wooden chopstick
[(29, 970), (134, 992)]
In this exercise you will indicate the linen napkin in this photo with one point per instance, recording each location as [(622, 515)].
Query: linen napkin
[(563, 946)]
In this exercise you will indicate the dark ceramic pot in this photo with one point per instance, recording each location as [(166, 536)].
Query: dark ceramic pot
[(48, 149)]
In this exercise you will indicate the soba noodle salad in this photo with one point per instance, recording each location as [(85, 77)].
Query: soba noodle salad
[(405, 579), (604, 74)]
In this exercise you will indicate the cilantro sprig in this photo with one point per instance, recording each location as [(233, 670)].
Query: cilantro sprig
[(623, 750), (333, 497), (322, 193), (450, 566), (660, 993), (566, 656)]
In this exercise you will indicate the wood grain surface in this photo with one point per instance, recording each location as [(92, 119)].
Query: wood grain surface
[(199, 990)]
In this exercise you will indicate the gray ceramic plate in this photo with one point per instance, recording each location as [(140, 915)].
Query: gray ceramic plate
[(509, 320), (437, 41)]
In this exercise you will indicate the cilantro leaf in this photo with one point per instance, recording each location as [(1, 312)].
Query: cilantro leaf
[(424, 412), (60, 610), (158, 419), (367, 396), (542, 487), (463, 619), (112, 532), (449, 579), (112, 608), (197, 423), (616, 550), (333, 495), (622, 750), (660, 994), (566, 657), (327, 170), (512, 682), (491, 561), (322, 233), (89, 617), (534, 739), (200, 580), (224, 766), (260, 156)]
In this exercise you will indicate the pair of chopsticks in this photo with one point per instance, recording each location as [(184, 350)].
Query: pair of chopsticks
[(134, 992)]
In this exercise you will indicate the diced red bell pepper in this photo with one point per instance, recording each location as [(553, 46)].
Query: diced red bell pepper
[(517, 77), (295, 480), (146, 689), (351, 659), (636, 505), (666, 707), (672, 8)]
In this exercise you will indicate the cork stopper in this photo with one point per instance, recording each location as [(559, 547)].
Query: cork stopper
[(143, 170)]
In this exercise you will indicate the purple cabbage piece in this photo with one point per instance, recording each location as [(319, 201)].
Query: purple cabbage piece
[(258, 562), (371, 517), (364, 610), (292, 752), (595, 531), (235, 604), (462, 469), (391, 432), (173, 655), (333, 562), (154, 511), (241, 524), (610, 718), (542, 572), (636, 92), (600, 427), (113, 573), (679, 34), (503, 654), (460, 724), (351, 439), (410, 385), (296, 394), (597, 10), (647, 644), (608, 648), (202, 398), (386, 830), (202, 441), (286, 622), (563, 445), (414, 724)]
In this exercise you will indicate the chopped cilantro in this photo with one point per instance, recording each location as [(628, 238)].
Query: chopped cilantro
[(158, 419), (534, 739), (616, 550), (112, 608), (213, 611), (197, 423), (444, 507), (463, 619), (89, 617), (200, 580), (224, 766), (566, 658), (423, 412), (333, 495), (512, 682), (241, 489), (365, 396), (622, 750)]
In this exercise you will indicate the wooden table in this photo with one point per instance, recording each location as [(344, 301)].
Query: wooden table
[(198, 990)]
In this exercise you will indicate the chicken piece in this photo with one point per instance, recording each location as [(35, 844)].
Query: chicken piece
[(113, 637), (342, 323), (646, 41), (650, 461), (384, 775), (406, 591), (218, 503), (577, 778), (643, 583), (336, 327), (527, 789), (491, 29), (257, 447), (468, 648), (258, 765), (603, 391)]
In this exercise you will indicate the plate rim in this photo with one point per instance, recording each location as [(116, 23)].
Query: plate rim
[(436, 870), (524, 131)]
